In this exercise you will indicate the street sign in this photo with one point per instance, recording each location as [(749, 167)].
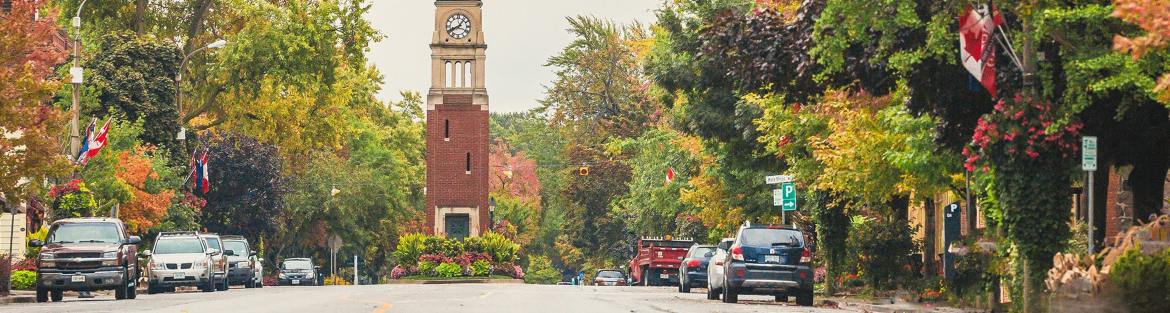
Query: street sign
[(788, 196), (776, 179), (776, 200), (1089, 153)]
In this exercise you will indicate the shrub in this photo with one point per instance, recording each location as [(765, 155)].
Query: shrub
[(473, 245), (884, 249), (271, 281), (1142, 281), (410, 247), (541, 271), (452, 248), (28, 264), (480, 268), (24, 280), (500, 248), (334, 280), (426, 268), (449, 270), (398, 272)]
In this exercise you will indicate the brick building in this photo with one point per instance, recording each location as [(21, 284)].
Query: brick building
[(457, 123)]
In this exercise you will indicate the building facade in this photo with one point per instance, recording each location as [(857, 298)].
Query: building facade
[(457, 123)]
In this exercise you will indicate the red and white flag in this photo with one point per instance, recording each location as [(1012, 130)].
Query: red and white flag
[(94, 143), (976, 45), (200, 180), (669, 174)]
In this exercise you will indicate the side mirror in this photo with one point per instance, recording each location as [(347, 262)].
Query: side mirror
[(146, 253), (36, 243), (252, 253), (229, 253), (134, 240), (209, 251)]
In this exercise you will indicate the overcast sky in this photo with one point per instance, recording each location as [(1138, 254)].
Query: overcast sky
[(521, 35)]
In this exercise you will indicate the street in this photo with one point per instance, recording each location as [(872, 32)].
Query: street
[(421, 298)]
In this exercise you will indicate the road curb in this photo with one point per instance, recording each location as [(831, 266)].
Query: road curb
[(455, 281), (17, 299)]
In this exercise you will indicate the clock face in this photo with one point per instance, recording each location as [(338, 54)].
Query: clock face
[(458, 26)]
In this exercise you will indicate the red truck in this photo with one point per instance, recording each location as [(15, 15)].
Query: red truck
[(658, 261)]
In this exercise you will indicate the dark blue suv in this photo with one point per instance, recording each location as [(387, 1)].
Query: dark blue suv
[(768, 260)]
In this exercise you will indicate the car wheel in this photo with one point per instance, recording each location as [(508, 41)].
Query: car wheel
[(57, 295), (120, 291), (250, 283), (42, 294), (804, 297), (712, 293), (131, 291), (210, 286), (729, 293), (683, 285), (781, 298), (223, 285), (150, 290)]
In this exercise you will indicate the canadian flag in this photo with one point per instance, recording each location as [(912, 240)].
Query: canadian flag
[(669, 174), (201, 181), (976, 31), (94, 143)]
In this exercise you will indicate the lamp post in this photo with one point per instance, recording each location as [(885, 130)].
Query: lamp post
[(76, 73), (179, 80)]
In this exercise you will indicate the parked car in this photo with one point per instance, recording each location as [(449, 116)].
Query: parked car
[(609, 278), (657, 261), (84, 254), (180, 259), (715, 277), (219, 260), (768, 260), (258, 271), (693, 269), (240, 258), (298, 271)]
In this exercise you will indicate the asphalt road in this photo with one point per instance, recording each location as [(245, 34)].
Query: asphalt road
[(478, 298)]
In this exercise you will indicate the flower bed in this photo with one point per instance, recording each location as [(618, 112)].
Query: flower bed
[(423, 256)]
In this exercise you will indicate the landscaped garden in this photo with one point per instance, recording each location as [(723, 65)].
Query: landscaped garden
[(425, 257)]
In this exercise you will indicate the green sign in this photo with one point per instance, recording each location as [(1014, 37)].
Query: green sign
[(788, 196)]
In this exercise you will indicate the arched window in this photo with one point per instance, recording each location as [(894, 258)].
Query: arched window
[(458, 75), (446, 129), (468, 164), (467, 77), (449, 80)]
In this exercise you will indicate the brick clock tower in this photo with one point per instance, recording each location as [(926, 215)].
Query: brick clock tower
[(457, 123)]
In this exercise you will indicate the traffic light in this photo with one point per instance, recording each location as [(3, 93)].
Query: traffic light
[(583, 171)]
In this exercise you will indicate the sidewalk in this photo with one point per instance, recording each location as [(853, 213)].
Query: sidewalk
[(20, 296), (894, 306)]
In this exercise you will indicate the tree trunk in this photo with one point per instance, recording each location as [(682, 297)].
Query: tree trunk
[(140, 17), (196, 26), (929, 226)]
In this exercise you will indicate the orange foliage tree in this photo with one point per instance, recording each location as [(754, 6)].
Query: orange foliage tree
[(514, 174), (145, 208), (29, 127), (1152, 16)]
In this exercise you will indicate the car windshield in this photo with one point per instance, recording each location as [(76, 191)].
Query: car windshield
[(213, 243), (768, 237), (702, 252), (178, 245), (297, 265), (609, 274), (237, 247), (84, 233)]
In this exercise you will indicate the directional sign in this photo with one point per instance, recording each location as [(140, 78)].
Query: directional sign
[(788, 196), (1089, 153), (776, 200), (776, 179)]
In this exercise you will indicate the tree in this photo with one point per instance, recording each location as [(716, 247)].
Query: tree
[(652, 207), (247, 188), (1152, 17), (29, 126), (135, 79)]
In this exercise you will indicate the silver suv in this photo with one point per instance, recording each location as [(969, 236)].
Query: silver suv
[(179, 259)]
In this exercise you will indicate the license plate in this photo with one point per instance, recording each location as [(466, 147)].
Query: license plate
[(296, 282), (77, 278), (180, 276), (664, 276), (771, 259), (609, 283)]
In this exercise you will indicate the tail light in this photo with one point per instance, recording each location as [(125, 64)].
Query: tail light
[(805, 256), (737, 253), (693, 263)]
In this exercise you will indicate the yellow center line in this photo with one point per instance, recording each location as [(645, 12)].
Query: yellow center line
[(382, 308)]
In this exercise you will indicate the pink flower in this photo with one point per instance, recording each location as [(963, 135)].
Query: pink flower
[(1019, 115), (1032, 154)]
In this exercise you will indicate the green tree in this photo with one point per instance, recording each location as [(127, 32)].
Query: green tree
[(134, 77)]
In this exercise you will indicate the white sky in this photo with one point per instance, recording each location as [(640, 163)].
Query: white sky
[(521, 35)]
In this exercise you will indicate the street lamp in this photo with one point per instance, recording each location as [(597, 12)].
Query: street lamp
[(179, 80)]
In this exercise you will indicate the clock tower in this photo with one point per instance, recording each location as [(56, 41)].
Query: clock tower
[(457, 123)]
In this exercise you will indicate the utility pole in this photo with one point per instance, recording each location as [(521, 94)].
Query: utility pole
[(77, 77), (355, 270)]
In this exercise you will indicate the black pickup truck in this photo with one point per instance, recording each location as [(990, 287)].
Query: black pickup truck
[(85, 254)]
